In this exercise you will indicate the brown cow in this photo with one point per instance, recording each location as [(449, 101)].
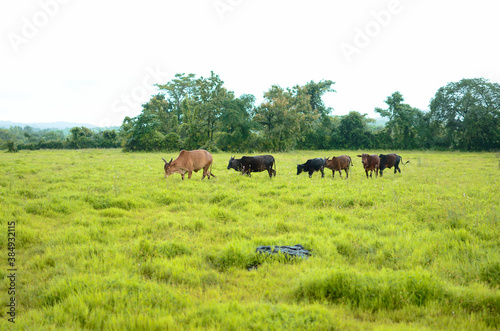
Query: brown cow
[(339, 163), (189, 161), (370, 163)]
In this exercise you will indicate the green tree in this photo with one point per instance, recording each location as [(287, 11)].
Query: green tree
[(316, 125), (401, 129), (468, 113), (81, 137), (190, 130), (316, 92), (180, 88), (279, 121), (211, 96), (107, 139), (352, 132), (235, 124)]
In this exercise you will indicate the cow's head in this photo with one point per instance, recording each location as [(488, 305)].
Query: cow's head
[(364, 158), (300, 168), (328, 162), (168, 168), (234, 164)]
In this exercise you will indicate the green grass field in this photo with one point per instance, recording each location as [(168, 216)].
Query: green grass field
[(103, 241)]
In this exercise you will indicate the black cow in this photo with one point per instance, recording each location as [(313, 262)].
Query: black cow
[(311, 166), (389, 161), (249, 164)]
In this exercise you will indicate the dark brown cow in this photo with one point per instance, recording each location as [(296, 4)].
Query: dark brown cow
[(189, 161), (339, 163), (389, 161), (370, 163)]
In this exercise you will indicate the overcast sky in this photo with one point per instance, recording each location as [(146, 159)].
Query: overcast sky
[(96, 61)]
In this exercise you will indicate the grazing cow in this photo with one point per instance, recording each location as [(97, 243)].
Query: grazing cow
[(189, 161), (389, 161), (370, 163), (339, 163), (311, 166), (249, 164)]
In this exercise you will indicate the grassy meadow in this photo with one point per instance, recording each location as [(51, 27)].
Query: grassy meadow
[(103, 241)]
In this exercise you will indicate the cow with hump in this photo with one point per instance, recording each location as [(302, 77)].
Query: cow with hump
[(370, 163), (249, 164), (389, 161), (311, 166), (189, 161), (339, 163)]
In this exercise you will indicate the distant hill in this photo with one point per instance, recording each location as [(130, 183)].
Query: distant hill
[(380, 121), (49, 125)]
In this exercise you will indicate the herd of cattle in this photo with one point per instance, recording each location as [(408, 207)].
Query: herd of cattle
[(189, 161)]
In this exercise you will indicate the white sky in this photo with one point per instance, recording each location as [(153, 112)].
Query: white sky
[(96, 61)]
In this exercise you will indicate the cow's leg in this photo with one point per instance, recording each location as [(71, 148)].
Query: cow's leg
[(346, 173), (366, 173), (270, 172), (376, 173), (310, 173), (333, 173), (189, 174), (206, 172), (322, 173)]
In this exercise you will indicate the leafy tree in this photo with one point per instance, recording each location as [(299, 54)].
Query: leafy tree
[(353, 132), (316, 92), (278, 120), (145, 133), (211, 96), (316, 125), (401, 129), (107, 139), (191, 135), (235, 124), (178, 89), (81, 137), (468, 112), (11, 146)]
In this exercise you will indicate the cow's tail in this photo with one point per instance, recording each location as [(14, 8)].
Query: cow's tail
[(350, 160), (403, 162), (274, 165)]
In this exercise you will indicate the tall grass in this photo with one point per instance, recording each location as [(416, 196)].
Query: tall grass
[(103, 241)]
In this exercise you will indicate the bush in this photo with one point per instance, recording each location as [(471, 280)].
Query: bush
[(172, 141), (11, 146)]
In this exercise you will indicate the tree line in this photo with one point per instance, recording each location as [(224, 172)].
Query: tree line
[(17, 138), (192, 112)]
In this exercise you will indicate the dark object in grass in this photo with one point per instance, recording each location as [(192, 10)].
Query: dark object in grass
[(297, 250)]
